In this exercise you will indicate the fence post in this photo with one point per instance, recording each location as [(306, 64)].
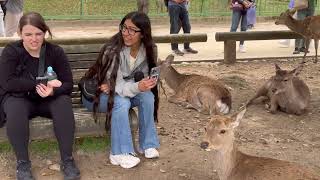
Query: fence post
[(81, 8)]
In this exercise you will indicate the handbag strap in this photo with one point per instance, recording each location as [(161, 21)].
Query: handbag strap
[(42, 61)]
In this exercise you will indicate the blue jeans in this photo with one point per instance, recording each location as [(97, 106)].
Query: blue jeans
[(121, 138), (236, 16), (179, 16)]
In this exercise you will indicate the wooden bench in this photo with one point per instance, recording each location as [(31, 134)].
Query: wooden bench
[(230, 38), (82, 53)]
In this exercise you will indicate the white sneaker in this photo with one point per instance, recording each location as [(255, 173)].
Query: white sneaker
[(242, 49), (151, 153), (124, 160)]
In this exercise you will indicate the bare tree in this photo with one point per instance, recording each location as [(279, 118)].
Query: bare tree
[(143, 6)]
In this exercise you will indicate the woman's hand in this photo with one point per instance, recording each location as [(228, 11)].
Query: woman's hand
[(104, 88), (54, 83), (147, 83), (44, 91)]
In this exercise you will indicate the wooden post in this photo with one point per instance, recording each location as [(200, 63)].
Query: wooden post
[(230, 51)]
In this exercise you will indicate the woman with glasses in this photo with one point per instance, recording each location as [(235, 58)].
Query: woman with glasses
[(122, 71)]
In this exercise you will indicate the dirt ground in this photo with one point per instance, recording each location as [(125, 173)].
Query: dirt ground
[(282, 136)]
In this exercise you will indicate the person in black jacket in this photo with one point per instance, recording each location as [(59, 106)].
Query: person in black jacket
[(27, 98)]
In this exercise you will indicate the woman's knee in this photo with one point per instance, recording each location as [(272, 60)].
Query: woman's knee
[(146, 98), (121, 103)]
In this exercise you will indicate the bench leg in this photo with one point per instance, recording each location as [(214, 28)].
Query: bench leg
[(229, 52)]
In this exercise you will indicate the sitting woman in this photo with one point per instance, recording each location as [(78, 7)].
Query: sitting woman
[(26, 97), (122, 71)]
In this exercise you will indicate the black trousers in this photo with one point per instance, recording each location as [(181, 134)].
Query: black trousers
[(19, 110)]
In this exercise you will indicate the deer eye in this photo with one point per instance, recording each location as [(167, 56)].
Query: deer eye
[(205, 129), (222, 131)]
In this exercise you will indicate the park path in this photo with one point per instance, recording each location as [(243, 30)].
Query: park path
[(209, 50)]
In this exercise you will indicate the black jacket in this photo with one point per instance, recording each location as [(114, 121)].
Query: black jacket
[(18, 70)]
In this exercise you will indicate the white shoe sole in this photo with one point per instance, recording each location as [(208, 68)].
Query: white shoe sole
[(113, 162)]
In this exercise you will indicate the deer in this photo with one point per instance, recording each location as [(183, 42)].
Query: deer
[(285, 91), (232, 164), (206, 95), (309, 28)]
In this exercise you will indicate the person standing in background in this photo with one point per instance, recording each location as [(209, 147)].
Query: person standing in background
[(2, 32), (301, 14), (251, 15), (13, 14), (179, 17), (239, 12)]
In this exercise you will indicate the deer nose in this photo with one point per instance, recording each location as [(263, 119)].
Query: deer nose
[(204, 145)]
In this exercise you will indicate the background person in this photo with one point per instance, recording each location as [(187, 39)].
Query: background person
[(14, 11), (128, 51), (301, 14), (179, 17), (26, 98), (239, 15)]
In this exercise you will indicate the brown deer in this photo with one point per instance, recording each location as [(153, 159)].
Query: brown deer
[(235, 165), (286, 91), (202, 93), (309, 28)]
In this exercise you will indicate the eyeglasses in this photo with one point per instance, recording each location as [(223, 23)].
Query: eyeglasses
[(123, 28)]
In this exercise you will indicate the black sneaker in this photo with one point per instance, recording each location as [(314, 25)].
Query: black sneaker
[(24, 170), (70, 170), (303, 49), (178, 52), (296, 51), (191, 51)]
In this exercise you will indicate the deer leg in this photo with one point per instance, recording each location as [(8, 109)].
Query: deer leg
[(307, 43), (261, 92), (316, 43), (273, 104)]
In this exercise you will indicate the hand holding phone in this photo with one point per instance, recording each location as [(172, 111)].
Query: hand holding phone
[(43, 80)]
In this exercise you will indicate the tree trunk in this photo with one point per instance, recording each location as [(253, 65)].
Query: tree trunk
[(143, 6)]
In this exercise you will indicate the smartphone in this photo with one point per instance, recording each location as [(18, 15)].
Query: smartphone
[(155, 73), (42, 80)]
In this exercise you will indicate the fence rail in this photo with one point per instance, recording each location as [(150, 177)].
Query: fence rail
[(115, 9)]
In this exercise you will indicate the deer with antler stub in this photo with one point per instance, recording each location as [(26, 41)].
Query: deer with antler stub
[(285, 91), (309, 28), (232, 164), (193, 91)]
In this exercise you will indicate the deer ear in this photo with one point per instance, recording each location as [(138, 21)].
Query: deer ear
[(277, 67), (169, 59), (292, 11), (237, 118), (297, 70)]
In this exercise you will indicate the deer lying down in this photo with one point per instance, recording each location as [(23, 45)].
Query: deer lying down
[(286, 92), (309, 28), (235, 165), (194, 91)]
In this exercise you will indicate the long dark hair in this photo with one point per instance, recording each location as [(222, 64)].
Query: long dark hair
[(110, 54)]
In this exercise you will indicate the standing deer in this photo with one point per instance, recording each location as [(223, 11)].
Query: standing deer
[(309, 28), (195, 91), (235, 165), (286, 91)]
